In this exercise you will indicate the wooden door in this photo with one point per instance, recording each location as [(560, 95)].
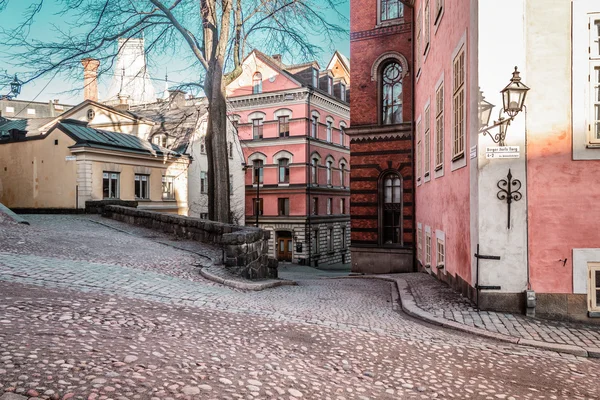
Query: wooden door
[(284, 249)]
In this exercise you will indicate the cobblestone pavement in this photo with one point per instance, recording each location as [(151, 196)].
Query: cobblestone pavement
[(440, 300), (121, 321)]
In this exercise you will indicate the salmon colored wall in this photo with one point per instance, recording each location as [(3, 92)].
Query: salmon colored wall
[(242, 86), (443, 203)]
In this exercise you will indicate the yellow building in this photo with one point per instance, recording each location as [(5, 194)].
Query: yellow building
[(72, 163)]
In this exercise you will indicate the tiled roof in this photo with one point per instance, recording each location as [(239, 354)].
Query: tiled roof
[(96, 138)]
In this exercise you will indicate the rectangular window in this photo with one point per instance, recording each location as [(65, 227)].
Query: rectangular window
[(315, 206), (594, 287), (419, 243), (142, 190), (342, 206), (110, 185), (230, 149), (168, 188), (329, 129), (595, 103), (315, 77), (391, 9), (419, 149), (257, 128), (330, 239), (343, 237), (594, 26), (257, 171), (203, 215), (283, 206), (458, 134), (31, 111), (329, 85), (284, 126), (315, 171), (427, 249), (202, 145), (427, 143), (419, 40), (316, 241), (342, 133), (203, 182), (10, 109), (230, 184), (441, 254), (343, 92), (315, 126), (439, 127), (329, 205), (426, 28), (258, 206), (437, 11)]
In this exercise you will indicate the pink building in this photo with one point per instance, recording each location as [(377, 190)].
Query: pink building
[(544, 245), (291, 121)]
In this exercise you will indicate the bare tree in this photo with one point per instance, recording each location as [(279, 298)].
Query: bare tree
[(217, 33)]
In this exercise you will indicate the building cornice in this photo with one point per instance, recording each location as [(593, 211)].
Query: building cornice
[(380, 132), (381, 31)]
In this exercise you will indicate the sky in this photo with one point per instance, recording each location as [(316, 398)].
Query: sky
[(67, 91)]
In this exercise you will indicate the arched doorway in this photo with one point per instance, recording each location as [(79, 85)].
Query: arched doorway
[(284, 245)]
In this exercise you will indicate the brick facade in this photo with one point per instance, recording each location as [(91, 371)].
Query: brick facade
[(377, 149)]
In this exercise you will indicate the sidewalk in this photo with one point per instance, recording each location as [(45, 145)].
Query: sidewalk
[(425, 297)]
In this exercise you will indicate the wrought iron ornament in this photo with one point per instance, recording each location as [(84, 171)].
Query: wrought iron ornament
[(509, 191)]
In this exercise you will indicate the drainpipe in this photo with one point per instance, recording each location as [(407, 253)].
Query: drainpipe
[(412, 148), (308, 177), (526, 204)]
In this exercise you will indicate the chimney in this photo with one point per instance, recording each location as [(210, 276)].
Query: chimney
[(277, 57), (90, 78), (123, 102)]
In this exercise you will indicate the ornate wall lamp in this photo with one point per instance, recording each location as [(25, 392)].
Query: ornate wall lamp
[(513, 99), (15, 89)]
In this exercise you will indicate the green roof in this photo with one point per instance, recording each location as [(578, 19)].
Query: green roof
[(96, 138), (19, 124)]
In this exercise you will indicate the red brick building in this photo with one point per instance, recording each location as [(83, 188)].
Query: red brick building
[(381, 136)]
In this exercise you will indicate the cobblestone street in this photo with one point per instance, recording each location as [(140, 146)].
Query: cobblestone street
[(89, 312)]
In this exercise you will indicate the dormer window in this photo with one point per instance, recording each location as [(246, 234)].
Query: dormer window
[(343, 92), (329, 85), (315, 77), (257, 83)]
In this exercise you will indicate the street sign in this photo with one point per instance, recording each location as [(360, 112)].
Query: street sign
[(502, 152), (70, 158)]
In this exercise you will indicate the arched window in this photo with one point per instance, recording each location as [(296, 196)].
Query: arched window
[(258, 171), (257, 83), (342, 174), (315, 171), (391, 209), (329, 164), (284, 170), (391, 93)]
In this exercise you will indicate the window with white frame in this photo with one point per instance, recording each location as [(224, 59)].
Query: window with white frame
[(160, 139), (419, 150), (458, 106), (284, 170), (284, 126), (419, 243), (594, 287), (168, 187), (390, 10), (257, 128), (427, 143), (439, 127), (594, 80), (343, 92), (428, 249), (203, 182), (329, 205), (110, 185), (330, 85), (315, 77), (438, 11), (329, 131), (441, 254), (257, 170), (142, 189), (426, 28)]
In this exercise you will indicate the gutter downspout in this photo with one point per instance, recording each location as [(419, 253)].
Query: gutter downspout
[(412, 148), (308, 178)]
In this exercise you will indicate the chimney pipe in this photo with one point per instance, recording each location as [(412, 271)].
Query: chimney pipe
[(90, 78), (277, 57)]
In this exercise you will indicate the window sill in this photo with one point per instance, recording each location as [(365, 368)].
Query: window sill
[(392, 22), (283, 184), (439, 167), (143, 200), (594, 314), (458, 157), (171, 200), (111, 198), (441, 266), (592, 146)]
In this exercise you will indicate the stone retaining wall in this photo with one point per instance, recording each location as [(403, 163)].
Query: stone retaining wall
[(97, 206), (245, 248)]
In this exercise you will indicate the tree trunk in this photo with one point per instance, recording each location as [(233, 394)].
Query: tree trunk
[(216, 145)]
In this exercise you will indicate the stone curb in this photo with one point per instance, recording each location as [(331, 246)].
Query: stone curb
[(255, 286), (10, 214), (409, 306)]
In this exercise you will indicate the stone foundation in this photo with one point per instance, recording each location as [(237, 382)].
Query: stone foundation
[(379, 260), (245, 248)]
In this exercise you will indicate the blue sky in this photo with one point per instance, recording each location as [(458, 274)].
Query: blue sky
[(45, 88)]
